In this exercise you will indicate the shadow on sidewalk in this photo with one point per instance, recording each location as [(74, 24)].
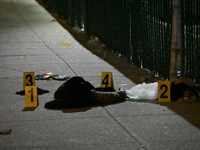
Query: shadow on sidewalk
[(189, 111), (84, 109)]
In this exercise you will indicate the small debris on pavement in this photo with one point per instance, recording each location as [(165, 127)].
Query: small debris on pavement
[(5, 131), (49, 76), (66, 43)]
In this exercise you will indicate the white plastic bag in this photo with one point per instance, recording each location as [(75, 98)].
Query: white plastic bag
[(143, 91)]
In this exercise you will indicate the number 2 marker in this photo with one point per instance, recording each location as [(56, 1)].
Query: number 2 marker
[(164, 94)]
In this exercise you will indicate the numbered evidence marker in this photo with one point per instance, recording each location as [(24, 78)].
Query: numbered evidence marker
[(31, 96), (164, 93), (29, 79), (107, 80)]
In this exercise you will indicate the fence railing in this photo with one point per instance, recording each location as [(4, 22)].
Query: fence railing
[(191, 39), (141, 30)]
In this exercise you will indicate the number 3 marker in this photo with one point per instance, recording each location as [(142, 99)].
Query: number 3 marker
[(164, 93), (29, 79)]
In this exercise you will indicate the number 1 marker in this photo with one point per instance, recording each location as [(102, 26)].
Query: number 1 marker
[(31, 96)]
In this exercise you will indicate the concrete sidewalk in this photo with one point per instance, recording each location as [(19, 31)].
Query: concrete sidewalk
[(29, 41)]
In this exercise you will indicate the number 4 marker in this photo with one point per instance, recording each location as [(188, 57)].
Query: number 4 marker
[(164, 94), (107, 80)]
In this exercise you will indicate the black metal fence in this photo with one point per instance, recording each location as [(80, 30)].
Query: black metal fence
[(138, 29), (191, 38), (155, 40)]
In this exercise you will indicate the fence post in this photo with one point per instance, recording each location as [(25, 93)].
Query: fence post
[(175, 60)]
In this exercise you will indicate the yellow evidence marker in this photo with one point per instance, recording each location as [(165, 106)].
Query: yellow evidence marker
[(29, 79), (164, 94), (31, 96), (106, 80)]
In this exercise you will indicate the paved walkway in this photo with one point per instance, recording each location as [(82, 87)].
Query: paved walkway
[(29, 41)]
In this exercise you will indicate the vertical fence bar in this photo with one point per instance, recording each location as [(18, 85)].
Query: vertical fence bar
[(136, 33), (175, 43), (198, 41)]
